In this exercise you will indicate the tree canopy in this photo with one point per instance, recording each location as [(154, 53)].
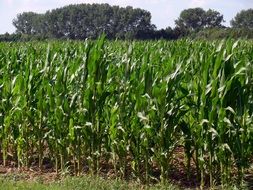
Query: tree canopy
[(195, 19), (82, 21), (243, 19), (86, 21)]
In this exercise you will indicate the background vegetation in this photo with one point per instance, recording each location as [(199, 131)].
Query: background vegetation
[(83, 21)]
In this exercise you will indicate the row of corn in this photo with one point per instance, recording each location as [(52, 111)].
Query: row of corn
[(133, 105)]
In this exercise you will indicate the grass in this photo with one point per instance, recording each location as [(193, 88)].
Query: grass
[(48, 181), (20, 182), (16, 182)]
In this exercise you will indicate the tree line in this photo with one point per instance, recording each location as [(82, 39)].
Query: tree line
[(91, 20)]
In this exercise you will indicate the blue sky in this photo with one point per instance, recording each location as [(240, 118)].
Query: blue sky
[(164, 12)]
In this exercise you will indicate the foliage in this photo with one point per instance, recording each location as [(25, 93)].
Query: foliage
[(243, 19), (130, 105), (85, 21), (195, 19), (10, 37), (89, 21), (223, 33)]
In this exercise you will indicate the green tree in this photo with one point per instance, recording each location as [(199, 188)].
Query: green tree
[(26, 23), (86, 21), (243, 19), (213, 19), (195, 19)]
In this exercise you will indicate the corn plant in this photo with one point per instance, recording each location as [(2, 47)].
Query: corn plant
[(130, 105)]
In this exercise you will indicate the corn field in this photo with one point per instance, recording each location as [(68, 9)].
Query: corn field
[(130, 105)]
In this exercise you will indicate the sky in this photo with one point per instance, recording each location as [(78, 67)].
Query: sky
[(164, 12)]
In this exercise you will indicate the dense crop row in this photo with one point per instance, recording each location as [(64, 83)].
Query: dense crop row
[(131, 104)]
